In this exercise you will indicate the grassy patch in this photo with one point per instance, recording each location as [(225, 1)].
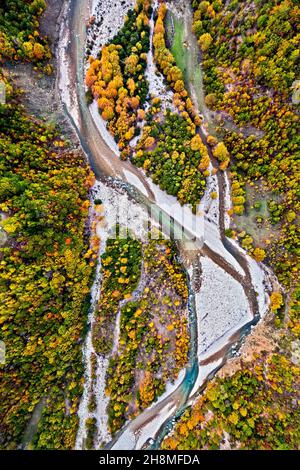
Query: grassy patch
[(178, 50)]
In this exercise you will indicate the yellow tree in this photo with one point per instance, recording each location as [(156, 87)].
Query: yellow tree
[(205, 41)]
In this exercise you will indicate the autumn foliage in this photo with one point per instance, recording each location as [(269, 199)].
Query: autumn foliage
[(45, 275), (255, 408), (20, 38), (116, 78)]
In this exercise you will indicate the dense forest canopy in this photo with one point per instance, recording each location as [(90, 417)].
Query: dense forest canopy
[(19, 32), (45, 260), (251, 59)]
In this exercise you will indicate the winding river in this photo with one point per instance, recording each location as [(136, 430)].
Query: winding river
[(209, 242)]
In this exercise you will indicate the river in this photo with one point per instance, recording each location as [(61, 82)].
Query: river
[(202, 238)]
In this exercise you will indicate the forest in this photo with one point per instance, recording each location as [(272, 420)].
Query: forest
[(250, 80), (179, 161), (256, 408), (20, 38), (45, 275), (46, 264)]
